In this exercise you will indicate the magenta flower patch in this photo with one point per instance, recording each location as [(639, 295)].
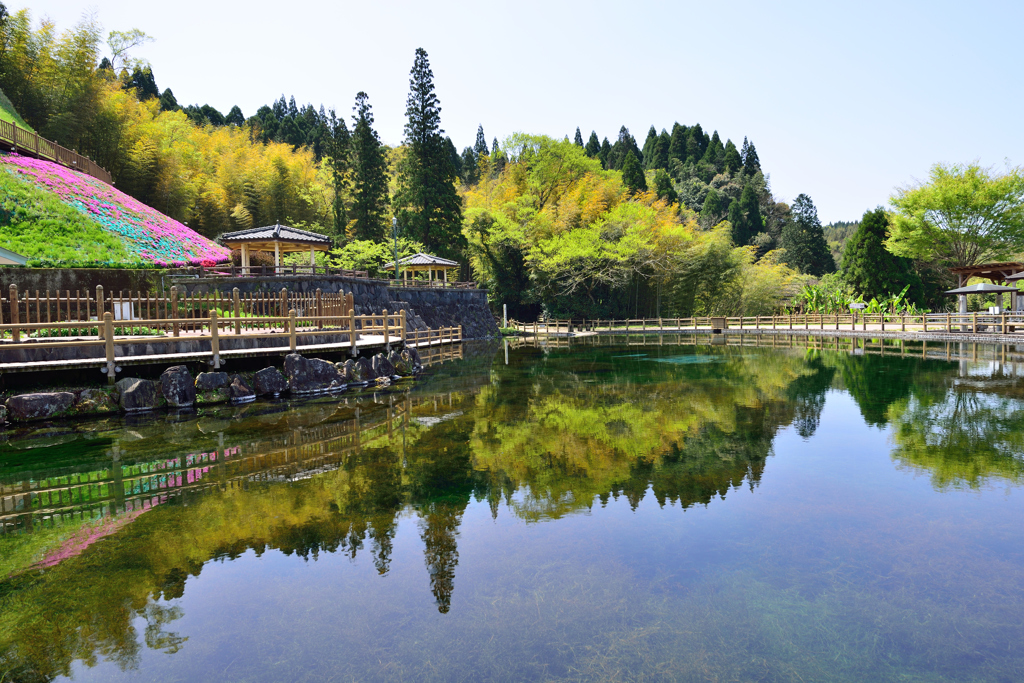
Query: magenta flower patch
[(148, 234)]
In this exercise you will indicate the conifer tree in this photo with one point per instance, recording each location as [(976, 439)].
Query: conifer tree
[(494, 146), (625, 144), (633, 175), (593, 146), (751, 164), (740, 236), (714, 155), (804, 240), (235, 117), (453, 156), (429, 207), (732, 159), (659, 152), (677, 145), (663, 186), (578, 140), (605, 153), (369, 175), (470, 170), (480, 147), (701, 141), (871, 269), (713, 209), (751, 210), (168, 102), (648, 149), (338, 152)]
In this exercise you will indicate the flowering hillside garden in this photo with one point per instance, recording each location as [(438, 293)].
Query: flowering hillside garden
[(56, 216)]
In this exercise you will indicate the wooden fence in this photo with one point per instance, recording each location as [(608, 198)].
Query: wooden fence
[(29, 143), (231, 270), (1001, 323)]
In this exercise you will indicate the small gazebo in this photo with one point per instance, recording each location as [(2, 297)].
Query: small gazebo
[(278, 239), (984, 288), (435, 266)]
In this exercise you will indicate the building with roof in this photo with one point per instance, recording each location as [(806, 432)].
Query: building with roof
[(277, 239), (434, 266)]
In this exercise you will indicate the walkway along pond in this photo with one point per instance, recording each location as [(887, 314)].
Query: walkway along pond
[(655, 507)]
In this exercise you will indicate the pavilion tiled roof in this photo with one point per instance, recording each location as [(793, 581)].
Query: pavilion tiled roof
[(421, 259), (277, 232)]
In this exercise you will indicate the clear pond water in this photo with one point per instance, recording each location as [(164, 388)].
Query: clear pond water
[(674, 512)]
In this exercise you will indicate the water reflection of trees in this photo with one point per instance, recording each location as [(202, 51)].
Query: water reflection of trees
[(547, 435)]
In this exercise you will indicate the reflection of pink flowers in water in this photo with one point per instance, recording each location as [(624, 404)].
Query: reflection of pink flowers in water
[(148, 234), (86, 536)]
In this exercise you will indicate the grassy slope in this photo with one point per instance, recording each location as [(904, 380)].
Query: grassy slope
[(9, 113), (37, 224)]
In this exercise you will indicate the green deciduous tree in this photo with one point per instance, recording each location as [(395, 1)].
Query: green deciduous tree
[(965, 214), (429, 206), (871, 269), (369, 176), (804, 240)]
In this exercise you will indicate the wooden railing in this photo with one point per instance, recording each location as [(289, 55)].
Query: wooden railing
[(1002, 323), (29, 142), (392, 326), (231, 270), (450, 284)]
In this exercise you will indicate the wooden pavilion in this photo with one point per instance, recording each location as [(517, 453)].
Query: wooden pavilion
[(996, 273), (278, 239), (435, 267)]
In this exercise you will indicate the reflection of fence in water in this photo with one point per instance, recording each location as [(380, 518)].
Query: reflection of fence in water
[(87, 496)]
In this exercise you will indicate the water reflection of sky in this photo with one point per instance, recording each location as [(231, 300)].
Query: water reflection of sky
[(791, 515)]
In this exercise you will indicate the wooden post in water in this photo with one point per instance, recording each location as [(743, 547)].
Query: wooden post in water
[(108, 336)]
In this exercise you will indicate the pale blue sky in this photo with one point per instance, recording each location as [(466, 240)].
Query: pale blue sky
[(844, 101)]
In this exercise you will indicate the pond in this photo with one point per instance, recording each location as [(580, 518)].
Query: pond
[(767, 511)]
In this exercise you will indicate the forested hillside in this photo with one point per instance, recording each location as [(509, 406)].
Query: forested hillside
[(685, 223)]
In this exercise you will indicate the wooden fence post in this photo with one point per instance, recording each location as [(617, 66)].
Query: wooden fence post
[(292, 338), (352, 329), (284, 302), (214, 339), (403, 326), (319, 309), (237, 310), (108, 336), (387, 337), (175, 327), (15, 318)]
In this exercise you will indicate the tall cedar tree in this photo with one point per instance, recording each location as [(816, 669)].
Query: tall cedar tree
[(871, 269), (739, 228), (663, 186), (804, 240), (429, 207), (338, 153), (604, 153), (480, 146), (578, 140), (660, 154), (713, 209), (751, 164), (648, 149), (593, 145), (453, 156), (633, 174), (625, 144), (677, 145), (714, 154), (369, 176), (750, 206), (470, 170), (733, 160)]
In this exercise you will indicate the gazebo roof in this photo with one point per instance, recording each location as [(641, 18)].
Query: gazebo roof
[(425, 260), (277, 233), (982, 288), (10, 258)]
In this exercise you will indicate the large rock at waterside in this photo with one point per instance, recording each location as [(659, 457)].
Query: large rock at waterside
[(39, 406), (401, 363), (347, 370), (212, 387), (382, 367), (311, 375), (414, 357), (362, 371), (270, 382), (96, 401), (239, 391), (138, 394), (177, 387)]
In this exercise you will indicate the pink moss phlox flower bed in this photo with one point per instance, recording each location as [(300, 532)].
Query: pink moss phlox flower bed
[(154, 238), (86, 536)]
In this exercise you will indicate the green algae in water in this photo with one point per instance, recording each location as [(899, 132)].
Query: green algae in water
[(776, 515)]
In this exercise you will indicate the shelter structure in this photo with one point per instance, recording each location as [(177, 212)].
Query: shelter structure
[(996, 273), (277, 239), (435, 267), (10, 258), (985, 288)]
